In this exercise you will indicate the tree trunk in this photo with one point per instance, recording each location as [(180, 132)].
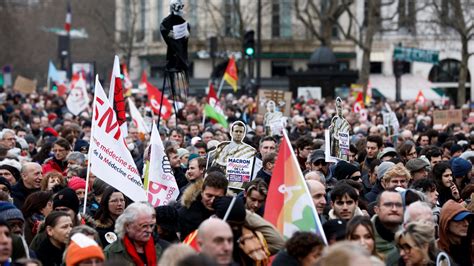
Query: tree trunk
[(463, 72), (326, 32), (372, 26)]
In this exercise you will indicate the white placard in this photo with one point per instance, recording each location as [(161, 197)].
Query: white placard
[(180, 31)]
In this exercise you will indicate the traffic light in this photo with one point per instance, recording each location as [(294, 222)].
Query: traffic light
[(249, 43)]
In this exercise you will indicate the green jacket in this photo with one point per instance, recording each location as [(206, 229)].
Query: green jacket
[(116, 252), (384, 247)]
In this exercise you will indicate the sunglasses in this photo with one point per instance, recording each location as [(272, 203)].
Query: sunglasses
[(320, 162)]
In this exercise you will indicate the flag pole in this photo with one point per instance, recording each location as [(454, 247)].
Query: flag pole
[(90, 152), (220, 87)]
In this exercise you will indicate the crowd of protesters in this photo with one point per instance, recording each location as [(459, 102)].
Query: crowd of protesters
[(401, 199)]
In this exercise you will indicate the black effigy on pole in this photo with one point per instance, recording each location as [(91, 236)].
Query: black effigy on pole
[(175, 32)]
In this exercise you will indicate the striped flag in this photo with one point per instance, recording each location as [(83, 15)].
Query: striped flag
[(67, 24), (230, 74), (289, 205)]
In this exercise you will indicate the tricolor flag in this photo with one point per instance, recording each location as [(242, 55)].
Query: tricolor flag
[(116, 96), (137, 118), (162, 187), (154, 99), (67, 23), (230, 74), (109, 157), (420, 98), (289, 205)]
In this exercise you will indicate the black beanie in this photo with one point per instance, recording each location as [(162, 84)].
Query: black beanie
[(66, 198), (4, 181), (344, 170), (237, 214), (16, 174)]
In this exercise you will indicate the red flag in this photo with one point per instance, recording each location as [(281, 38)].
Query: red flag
[(67, 24), (191, 240), (154, 98), (420, 98), (359, 103), (116, 96)]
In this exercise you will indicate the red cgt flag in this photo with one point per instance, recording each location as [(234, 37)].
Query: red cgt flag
[(154, 98)]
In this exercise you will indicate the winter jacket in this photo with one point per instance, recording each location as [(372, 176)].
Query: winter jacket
[(374, 192), (274, 239), (458, 252), (20, 193), (53, 164), (385, 242), (193, 212), (284, 259), (117, 252), (102, 229), (49, 254)]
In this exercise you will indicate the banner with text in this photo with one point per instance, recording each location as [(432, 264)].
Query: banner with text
[(162, 186), (239, 169), (110, 159)]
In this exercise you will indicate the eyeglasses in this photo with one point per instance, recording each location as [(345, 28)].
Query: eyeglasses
[(143, 227), (398, 205)]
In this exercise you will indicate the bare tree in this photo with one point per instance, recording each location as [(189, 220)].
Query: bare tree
[(320, 17), (458, 16)]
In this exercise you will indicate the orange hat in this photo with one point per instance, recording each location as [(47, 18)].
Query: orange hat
[(82, 248)]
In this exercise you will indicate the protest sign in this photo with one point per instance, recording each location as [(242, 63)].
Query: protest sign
[(110, 159), (444, 117), (282, 101), (78, 100), (24, 85), (239, 169)]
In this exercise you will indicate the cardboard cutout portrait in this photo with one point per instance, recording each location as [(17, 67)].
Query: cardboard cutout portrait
[(337, 136), (235, 157), (273, 120)]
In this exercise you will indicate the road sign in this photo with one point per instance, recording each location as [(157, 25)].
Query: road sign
[(415, 55)]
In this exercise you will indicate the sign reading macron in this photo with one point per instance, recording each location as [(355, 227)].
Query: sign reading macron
[(415, 55)]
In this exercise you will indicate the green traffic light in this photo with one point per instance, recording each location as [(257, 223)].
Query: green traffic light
[(249, 51)]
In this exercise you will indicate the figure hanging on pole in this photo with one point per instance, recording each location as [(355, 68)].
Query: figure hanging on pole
[(175, 32)]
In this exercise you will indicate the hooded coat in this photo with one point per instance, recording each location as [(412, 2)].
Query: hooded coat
[(457, 252)]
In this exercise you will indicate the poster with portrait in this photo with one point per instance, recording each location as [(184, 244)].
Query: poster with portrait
[(273, 120), (235, 157), (87, 69), (282, 100), (337, 136)]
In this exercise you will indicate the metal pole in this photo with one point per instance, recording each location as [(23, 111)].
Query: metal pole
[(259, 41)]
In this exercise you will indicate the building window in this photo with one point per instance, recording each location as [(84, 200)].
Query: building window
[(281, 68), (375, 67), (276, 19), (281, 18), (407, 14), (140, 34), (447, 71), (231, 21)]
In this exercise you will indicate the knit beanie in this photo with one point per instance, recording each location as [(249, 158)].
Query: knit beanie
[(12, 169), (4, 181), (182, 152), (8, 212), (66, 198), (237, 214), (383, 168), (460, 167), (76, 183), (344, 170), (82, 248)]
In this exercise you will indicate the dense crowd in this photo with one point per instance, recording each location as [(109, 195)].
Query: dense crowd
[(403, 197)]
